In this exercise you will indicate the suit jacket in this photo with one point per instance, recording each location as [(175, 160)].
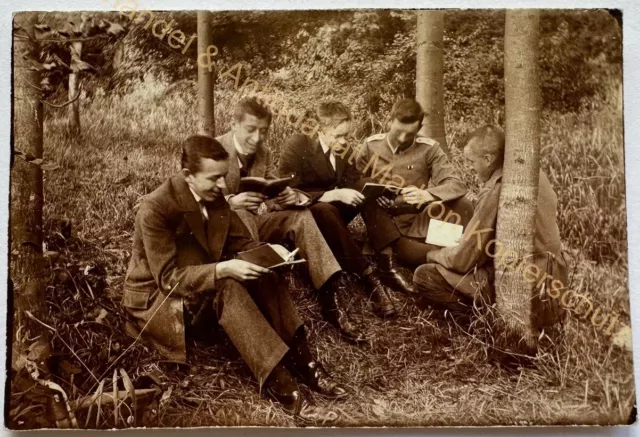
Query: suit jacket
[(303, 157), (467, 264), (171, 251)]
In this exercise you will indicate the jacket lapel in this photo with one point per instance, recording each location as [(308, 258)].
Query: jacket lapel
[(218, 227), (192, 214), (319, 162), (340, 164), (259, 166), (233, 176)]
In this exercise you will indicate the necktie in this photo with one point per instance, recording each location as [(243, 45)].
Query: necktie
[(247, 162), (327, 156)]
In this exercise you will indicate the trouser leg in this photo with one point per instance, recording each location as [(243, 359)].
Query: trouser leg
[(435, 288), (412, 252), (381, 229), (301, 228), (259, 319), (333, 226)]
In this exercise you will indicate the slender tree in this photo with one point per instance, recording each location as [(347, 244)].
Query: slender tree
[(518, 197), (206, 123), (26, 266), (78, 28), (429, 74)]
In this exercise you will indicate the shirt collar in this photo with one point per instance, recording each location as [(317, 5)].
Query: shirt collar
[(238, 147), (323, 145), (195, 195), (395, 150), (497, 174)]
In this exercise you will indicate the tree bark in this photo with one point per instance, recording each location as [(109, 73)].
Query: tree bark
[(74, 80), (26, 261), (429, 74), (519, 194), (206, 125)]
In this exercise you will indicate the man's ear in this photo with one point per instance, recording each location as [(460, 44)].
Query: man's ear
[(185, 172), (489, 158)]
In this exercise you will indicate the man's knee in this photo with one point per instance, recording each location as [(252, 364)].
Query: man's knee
[(324, 211), (427, 276), (228, 290)]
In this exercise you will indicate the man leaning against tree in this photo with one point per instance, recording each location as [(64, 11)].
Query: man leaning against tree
[(459, 277)]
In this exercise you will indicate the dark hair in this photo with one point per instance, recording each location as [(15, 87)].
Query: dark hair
[(489, 140), (332, 113), (199, 147), (251, 106), (407, 111)]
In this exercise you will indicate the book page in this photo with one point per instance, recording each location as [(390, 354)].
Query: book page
[(443, 234)]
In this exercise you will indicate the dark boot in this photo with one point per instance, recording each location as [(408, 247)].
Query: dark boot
[(335, 311), (311, 372), (379, 295), (388, 269), (281, 386)]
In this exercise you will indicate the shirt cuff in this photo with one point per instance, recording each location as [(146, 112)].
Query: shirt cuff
[(303, 199)]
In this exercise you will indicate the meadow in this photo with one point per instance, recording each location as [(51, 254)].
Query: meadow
[(423, 368)]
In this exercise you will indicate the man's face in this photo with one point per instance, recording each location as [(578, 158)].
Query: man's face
[(208, 182), (401, 134), (251, 132), (482, 164), (335, 137)]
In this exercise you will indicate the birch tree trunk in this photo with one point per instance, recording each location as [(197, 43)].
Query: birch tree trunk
[(429, 74), (206, 125), (518, 197), (74, 78), (26, 199)]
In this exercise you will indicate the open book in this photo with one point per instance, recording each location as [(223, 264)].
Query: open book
[(270, 188), (373, 191), (266, 256), (443, 234)]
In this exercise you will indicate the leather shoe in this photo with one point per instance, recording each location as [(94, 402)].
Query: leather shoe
[(388, 268), (317, 378), (379, 295), (281, 386), (335, 311)]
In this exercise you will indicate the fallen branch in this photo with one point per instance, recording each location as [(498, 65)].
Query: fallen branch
[(107, 398)]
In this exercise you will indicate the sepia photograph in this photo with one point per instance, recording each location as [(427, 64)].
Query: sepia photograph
[(317, 218)]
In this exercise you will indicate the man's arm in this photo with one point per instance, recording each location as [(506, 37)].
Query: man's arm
[(291, 164), (362, 158), (159, 241), (351, 177), (239, 238), (480, 230), (444, 178)]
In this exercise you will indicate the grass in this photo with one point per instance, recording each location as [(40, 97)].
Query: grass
[(424, 368)]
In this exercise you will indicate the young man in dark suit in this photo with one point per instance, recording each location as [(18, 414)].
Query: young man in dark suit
[(332, 184), (182, 272)]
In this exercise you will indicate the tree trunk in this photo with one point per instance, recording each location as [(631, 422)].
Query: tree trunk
[(74, 79), (429, 74), (207, 124), (519, 194), (26, 266)]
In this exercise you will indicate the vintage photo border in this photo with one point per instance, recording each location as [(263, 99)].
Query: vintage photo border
[(631, 87)]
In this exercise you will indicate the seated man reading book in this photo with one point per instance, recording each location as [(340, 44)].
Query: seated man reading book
[(283, 219), (333, 185), (418, 165), (456, 277), (183, 271)]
